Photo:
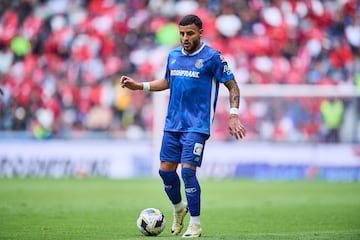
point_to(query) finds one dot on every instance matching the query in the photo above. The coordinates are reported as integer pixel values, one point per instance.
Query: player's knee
(187, 174)
(168, 166)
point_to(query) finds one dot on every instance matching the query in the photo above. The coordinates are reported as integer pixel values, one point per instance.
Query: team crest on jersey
(199, 63)
(173, 61)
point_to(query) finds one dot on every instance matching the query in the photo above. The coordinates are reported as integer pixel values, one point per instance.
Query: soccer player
(193, 74)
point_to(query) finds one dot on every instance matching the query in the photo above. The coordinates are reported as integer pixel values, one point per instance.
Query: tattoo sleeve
(234, 93)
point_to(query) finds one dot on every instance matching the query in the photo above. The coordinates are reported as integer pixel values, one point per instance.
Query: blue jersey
(194, 85)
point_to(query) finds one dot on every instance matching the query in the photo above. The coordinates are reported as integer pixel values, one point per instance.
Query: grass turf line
(231, 209)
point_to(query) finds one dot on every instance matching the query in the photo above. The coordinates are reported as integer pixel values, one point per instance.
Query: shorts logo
(198, 148)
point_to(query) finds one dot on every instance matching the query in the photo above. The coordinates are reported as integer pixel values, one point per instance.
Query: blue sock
(171, 182)
(192, 190)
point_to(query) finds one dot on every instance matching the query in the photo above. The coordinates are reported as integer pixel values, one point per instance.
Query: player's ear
(200, 32)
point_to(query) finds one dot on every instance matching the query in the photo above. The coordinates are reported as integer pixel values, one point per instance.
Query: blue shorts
(183, 147)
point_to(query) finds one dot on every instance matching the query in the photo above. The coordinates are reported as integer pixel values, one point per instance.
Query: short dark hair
(191, 19)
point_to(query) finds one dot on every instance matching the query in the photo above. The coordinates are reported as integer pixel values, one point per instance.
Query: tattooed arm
(236, 128)
(234, 93)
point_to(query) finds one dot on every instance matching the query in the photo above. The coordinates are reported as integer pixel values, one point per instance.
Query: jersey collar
(194, 53)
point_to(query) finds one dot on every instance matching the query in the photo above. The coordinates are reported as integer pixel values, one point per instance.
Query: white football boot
(193, 231)
(178, 219)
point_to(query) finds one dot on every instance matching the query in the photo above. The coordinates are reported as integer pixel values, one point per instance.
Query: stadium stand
(61, 59)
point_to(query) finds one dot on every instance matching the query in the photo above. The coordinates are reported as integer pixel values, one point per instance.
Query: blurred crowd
(60, 62)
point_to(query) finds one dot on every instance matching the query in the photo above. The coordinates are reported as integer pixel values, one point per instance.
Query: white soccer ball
(151, 222)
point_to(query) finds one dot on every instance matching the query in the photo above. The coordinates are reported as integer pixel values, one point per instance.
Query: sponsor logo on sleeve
(227, 70)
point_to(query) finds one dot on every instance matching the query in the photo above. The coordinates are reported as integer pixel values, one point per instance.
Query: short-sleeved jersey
(194, 85)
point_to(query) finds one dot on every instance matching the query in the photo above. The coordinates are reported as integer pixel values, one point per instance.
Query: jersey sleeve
(221, 69)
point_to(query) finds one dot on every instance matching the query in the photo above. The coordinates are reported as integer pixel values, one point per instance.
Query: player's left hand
(236, 128)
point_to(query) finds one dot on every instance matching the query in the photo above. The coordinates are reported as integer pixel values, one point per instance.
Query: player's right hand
(128, 82)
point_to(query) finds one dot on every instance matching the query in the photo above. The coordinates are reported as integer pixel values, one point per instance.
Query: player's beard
(191, 47)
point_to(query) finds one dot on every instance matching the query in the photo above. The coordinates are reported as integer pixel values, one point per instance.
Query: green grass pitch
(231, 209)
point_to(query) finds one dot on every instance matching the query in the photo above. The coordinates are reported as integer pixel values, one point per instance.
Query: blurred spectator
(332, 111)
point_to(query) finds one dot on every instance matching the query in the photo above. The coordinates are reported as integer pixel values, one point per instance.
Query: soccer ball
(151, 222)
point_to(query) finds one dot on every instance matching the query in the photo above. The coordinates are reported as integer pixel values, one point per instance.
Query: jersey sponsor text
(185, 73)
